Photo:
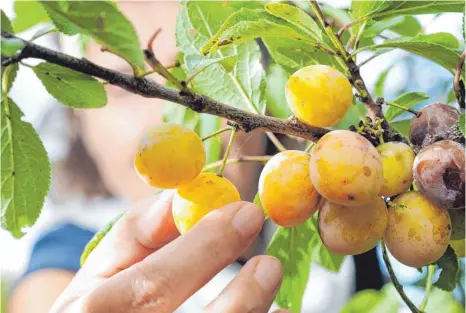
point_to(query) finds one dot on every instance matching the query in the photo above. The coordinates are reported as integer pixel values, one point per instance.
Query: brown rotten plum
(352, 230)
(418, 230)
(436, 122)
(438, 172)
(346, 168)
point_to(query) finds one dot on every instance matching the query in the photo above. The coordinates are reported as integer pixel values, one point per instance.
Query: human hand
(142, 265)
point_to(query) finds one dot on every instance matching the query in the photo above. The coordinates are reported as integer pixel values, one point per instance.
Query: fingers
(164, 280)
(141, 231)
(253, 290)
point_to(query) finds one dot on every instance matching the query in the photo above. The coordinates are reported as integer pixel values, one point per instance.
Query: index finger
(142, 230)
(165, 279)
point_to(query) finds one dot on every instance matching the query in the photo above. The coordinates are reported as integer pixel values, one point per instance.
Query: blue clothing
(59, 248)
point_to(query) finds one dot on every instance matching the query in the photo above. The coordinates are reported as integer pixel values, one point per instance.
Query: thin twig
(395, 281)
(346, 27)
(259, 159)
(158, 67)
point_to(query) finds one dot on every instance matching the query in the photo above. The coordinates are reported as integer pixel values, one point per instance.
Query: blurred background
(93, 178)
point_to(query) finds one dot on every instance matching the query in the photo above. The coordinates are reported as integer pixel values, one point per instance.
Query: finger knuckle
(152, 294)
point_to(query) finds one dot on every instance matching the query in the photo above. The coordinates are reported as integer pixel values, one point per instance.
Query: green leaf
(407, 100)
(102, 21)
(195, 62)
(380, 83)
(410, 26)
(378, 27)
(97, 238)
(373, 301)
(244, 87)
(25, 171)
(443, 302)
(71, 88)
(246, 24)
(424, 7)
(28, 14)
(368, 10)
(439, 47)
(402, 126)
(213, 147)
(293, 54)
(461, 123)
(297, 17)
(376, 9)
(6, 23)
(448, 265)
(296, 247)
(11, 47)
(275, 91)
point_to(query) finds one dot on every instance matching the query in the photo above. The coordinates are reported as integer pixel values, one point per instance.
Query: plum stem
(430, 276)
(221, 130)
(259, 159)
(234, 131)
(308, 148)
(395, 281)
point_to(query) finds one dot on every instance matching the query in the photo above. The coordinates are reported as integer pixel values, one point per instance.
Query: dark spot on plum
(367, 171)
(351, 197)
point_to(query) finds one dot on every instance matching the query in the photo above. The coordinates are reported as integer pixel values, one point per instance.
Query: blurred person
(99, 168)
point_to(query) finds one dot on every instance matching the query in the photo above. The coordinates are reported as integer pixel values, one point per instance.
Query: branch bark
(146, 87)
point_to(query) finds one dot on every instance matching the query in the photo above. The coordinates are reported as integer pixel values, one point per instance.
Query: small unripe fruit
(169, 155)
(435, 123)
(285, 188)
(352, 230)
(397, 162)
(457, 224)
(418, 230)
(319, 95)
(346, 168)
(438, 172)
(192, 201)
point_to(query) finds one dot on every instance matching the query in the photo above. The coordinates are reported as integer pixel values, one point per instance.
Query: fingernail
(268, 274)
(248, 220)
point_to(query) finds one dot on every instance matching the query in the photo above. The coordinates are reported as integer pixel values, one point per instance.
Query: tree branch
(146, 87)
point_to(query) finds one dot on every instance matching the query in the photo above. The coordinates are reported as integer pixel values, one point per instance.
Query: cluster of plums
(344, 177)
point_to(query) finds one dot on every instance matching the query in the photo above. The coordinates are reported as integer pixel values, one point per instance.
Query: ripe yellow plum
(169, 155)
(285, 188)
(346, 168)
(397, 162)
(192, 201)
(418, 230)
(352, 230)
(319, 95)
